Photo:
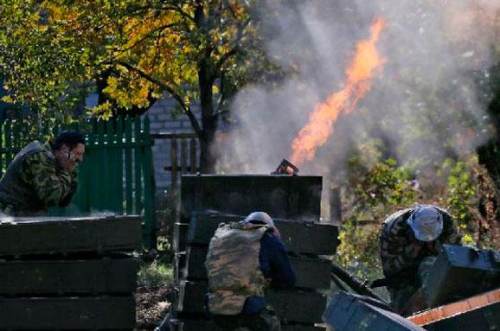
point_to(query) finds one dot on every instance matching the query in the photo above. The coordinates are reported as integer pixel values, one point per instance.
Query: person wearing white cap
(410, 240)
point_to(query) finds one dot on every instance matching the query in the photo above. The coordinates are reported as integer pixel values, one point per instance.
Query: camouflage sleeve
(396, 252)
(450, 232)
(50, 184)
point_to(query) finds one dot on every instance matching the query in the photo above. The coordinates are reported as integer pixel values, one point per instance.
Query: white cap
(259, 217)
(426, 222)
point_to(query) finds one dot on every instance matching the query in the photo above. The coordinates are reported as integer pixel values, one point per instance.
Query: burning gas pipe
(359, 75)
(286, 168)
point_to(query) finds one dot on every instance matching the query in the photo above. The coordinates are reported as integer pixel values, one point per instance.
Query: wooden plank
(299, 237)
(179, 266)
(184, 156)
(310, 272)
(290, 305)
(24, 236)
(128, 166)
(149, 232)
(287, 197)
(173, 159)
(68, 313)
(138, 159)
(45, 277)
(180, 236)
(192, 155)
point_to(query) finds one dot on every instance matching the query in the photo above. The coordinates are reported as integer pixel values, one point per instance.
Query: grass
(155, 274)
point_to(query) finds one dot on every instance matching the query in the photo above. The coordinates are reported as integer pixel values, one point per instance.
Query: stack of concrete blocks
(294, 203)
(68, 274)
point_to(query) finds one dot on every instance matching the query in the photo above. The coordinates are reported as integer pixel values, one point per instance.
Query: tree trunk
(208, 118)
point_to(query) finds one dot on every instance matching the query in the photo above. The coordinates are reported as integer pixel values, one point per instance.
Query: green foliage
(136, 49)
(155, 274)
(461, 197)
(374, 193)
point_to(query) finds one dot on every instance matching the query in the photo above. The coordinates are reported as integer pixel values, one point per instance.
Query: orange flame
(359, 77)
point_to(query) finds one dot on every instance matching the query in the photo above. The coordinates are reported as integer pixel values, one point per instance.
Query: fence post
(192, 152)
(149, 189)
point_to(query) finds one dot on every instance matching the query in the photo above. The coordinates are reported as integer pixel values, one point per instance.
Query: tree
(197, 51)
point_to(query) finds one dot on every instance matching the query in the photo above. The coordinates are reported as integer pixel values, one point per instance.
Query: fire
(359, 74)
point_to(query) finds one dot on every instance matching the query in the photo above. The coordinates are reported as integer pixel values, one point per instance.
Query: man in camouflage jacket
(243, 260)
(41, 176)
(410, 240)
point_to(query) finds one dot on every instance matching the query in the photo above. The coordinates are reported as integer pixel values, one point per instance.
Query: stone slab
(29, 236)
(290, 197)
(44, 277)
(299, 237)
(310, 272)
(291, 305)
(68, 313)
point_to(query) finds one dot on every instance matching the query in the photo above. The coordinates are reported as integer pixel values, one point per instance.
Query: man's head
(426, 223)
(260, 217)
(69, 148)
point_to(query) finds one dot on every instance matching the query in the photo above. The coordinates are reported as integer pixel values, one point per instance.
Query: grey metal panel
(299, 237)
(21, 278)
(347, 312)
(180, 236)
(67, 313)
(290, 197)
(69, 235)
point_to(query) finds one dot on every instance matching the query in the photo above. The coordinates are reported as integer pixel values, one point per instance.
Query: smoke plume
(425, 104)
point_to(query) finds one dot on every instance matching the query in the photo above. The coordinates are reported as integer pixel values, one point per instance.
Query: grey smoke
(424, 72)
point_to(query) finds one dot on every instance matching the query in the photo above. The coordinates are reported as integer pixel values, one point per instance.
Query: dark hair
(68, 138)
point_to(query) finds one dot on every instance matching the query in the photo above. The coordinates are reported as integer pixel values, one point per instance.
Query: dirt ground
(151, 306)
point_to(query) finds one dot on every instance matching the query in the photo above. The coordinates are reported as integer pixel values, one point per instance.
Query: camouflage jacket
(401, 253)
(33, 182)
(233, 267)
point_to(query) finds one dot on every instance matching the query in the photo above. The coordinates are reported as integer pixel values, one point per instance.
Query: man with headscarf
(410, 241)
(243, 259)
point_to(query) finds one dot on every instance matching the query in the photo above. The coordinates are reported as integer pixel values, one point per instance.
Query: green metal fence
(117, 174)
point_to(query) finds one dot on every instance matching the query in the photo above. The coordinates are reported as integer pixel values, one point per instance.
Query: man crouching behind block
(243, 259)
